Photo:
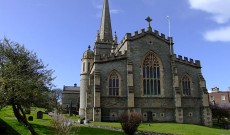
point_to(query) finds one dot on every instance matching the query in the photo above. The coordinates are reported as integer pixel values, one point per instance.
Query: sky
(59, 31)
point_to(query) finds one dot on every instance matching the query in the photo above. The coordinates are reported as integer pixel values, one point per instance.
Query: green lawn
(42, 126)
(173, 128)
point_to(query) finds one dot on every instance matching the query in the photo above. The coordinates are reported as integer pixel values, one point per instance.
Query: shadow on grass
(43, 130)
(9, 129)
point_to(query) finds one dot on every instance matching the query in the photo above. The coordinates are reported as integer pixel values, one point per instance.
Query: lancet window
(113, 84)
(186, 86)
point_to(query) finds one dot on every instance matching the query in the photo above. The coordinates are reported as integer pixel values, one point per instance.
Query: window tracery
(186, 86)
(151, 75)
(113, 84)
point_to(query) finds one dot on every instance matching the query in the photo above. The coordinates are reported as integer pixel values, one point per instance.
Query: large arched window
(186, 86)
(151, 75)
(113, 84)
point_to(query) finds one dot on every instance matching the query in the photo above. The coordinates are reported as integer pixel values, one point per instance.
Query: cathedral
(141, 74)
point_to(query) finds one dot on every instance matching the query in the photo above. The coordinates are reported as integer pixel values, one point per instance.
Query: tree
(130, 122)
(219, 112)
(55, 97)
(24, 79)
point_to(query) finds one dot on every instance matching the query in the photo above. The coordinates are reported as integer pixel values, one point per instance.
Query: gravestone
(30, 118)
(39, 115)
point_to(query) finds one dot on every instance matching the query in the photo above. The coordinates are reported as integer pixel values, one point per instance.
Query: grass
(173, 128)
(43, 126)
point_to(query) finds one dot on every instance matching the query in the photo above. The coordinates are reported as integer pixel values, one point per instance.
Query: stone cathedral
(141, 74)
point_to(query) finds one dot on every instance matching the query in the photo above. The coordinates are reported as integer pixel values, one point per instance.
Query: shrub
(61, 124)
(130, 122)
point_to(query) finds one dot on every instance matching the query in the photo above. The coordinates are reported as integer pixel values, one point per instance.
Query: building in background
(141, 74)
(221, 98)
(71, 99)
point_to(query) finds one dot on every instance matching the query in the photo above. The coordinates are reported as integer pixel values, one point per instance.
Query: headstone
(39, 115)
(30, 118)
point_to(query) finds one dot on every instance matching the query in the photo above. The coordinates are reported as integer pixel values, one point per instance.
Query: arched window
(113, 84)
(186, 86)
(151, 75)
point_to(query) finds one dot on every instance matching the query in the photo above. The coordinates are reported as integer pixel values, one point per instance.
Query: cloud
(98, 4)
(218, 8)
(221, 34)
(115, 11)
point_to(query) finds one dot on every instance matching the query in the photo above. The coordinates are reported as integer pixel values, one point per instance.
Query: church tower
(87, 61)
(104, 40)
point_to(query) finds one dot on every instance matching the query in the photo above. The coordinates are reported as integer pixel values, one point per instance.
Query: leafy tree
(55, 96)
(130, 122)
(220, 112)
(24, 79)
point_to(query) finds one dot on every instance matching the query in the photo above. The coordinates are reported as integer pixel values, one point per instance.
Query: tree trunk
(21, 117)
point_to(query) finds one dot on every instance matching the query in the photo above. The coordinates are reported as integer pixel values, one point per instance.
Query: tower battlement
(143, 32)
(185, 60)
(111, 56)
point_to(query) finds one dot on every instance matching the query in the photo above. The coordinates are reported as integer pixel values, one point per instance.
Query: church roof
(71, 88)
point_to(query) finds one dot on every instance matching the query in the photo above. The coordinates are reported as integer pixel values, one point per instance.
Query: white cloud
(98, 4)
(221, 34)
(115, 11)
(218, 8)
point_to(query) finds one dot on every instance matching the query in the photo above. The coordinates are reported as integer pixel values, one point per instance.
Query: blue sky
(59, 31)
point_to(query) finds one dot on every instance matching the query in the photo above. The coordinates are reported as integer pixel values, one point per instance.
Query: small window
(222, 97)
(190, 114)
(186, 86)
(211, 98)
(88, 66)
(162, 115)
(154, 114)
(83, 66)
(113, 84)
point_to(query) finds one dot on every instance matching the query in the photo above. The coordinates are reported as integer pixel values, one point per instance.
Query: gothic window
(113, 84)
(151, 75)
(186, 85)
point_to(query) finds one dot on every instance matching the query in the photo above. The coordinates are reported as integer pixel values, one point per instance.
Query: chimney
(75, 85)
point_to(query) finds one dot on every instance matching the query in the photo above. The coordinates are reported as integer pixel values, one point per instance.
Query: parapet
(143, 32)
(187, 61)
(111, 57)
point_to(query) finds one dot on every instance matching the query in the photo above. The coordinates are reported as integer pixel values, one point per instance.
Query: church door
(149, 116)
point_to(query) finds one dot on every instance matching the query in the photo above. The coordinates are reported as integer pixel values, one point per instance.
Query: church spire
(106, 29)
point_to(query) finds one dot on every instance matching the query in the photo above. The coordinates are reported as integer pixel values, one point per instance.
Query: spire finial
(148, 19)
(89, 47)
(106, 29)
(115, 38)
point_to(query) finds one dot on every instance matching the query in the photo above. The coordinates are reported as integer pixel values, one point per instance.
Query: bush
(130, 122)
(61, 124)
